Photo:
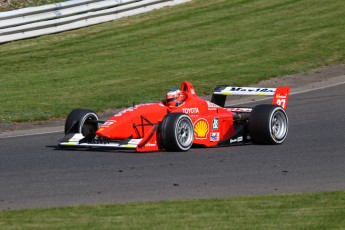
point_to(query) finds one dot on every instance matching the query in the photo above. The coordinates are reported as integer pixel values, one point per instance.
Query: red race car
(182, 120)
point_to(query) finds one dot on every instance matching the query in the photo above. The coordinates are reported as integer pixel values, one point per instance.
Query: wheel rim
(184, 133)
(88, 127)
(278, 125)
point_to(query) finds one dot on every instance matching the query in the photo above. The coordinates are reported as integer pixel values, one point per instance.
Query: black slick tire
(268, 124)
(177, 132)
(82, 121)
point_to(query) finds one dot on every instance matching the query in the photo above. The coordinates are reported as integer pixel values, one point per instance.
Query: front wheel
(268, 124)
(177, 132)
(82, 121)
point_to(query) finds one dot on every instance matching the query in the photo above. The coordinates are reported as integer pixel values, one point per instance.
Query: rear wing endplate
(280, 94)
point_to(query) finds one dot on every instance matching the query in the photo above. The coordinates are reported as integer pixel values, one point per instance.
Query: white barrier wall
(36, 21)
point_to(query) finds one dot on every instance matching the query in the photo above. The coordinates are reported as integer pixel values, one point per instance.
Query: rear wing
(280, 94)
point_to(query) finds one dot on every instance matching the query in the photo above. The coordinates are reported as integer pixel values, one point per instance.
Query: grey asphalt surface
(34, 174)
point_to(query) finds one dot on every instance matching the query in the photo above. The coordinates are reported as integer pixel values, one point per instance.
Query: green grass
(138, 59)
(6, 5)
(302, 211)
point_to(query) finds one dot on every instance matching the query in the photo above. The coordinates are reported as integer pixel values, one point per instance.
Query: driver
(174, 98)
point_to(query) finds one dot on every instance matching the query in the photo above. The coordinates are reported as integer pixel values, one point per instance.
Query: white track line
(319, 88)
(27, 134)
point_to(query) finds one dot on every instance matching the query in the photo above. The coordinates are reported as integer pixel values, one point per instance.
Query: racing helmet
(174, 98)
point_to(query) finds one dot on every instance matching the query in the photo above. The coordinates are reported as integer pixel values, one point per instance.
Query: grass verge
(7, 5)
(138, 59)
(300, 211)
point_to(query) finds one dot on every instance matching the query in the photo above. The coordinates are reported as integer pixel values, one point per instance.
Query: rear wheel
(82, 121)
(268, 124)
(177, 132)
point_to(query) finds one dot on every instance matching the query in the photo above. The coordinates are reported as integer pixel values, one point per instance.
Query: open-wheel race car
(182, 120)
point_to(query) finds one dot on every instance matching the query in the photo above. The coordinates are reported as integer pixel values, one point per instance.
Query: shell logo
(201, 129)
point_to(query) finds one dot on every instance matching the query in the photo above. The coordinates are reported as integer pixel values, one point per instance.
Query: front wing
(75, 140)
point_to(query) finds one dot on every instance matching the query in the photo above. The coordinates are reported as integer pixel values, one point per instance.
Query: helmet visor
(171, 99)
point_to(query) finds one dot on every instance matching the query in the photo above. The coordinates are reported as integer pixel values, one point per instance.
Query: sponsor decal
(215, 136)
(151, 144)
(131, 109)
(251, 90)
(76, 137)
(119, 114)
(215, 123)
(236, 140)
(212, 106)
(244, 110)
(190, 110)
(134, 141)
(108, 123)
(281, 96)
(201, 129)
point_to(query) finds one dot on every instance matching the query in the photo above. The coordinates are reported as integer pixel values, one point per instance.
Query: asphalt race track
(34, 174)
